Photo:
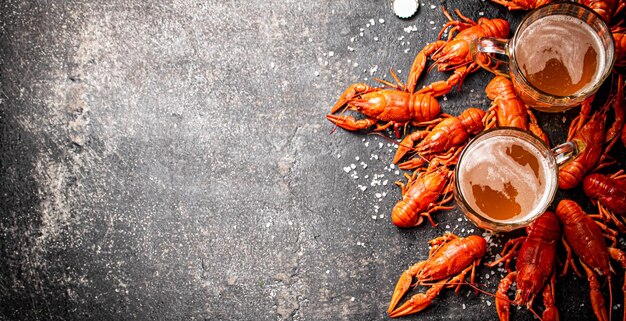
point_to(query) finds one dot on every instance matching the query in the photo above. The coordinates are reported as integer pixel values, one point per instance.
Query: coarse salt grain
(410, 29)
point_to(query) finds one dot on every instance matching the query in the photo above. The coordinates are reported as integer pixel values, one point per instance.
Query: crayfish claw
(350, 93)
(403, 285)
(419, 301)
(349, 123)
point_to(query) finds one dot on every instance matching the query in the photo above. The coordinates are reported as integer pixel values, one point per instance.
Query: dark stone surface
(171, 161)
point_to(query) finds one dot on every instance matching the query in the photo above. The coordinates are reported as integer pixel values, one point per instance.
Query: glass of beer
(559, 55)
(507, 177)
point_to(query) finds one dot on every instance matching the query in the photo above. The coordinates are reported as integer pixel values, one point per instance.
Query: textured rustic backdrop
(172, 161)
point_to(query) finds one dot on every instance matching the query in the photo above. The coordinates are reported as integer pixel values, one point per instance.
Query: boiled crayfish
(585, 237)
(589, 138)
(508, 110)
(393, 106)
(534, 266)
(609, 194)
(443, 141)
(424, 193)
(450, 259)
(454, 54)
(607, 9)
(522, 4)
(594, 142)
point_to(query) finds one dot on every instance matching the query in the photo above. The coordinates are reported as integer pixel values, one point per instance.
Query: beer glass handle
(485, 52)
(564, 153)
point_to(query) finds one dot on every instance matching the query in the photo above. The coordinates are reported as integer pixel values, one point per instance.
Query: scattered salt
(410, 29)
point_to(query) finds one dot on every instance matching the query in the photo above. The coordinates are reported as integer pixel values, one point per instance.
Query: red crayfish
(534, 266)
(606, 9)
(507, 109)
(454, 54)
(522, 4)
(450, 259)
(445, 140)
(420, 195)
(609, 193)
(393, 106)
(593, 141)
(585, 237)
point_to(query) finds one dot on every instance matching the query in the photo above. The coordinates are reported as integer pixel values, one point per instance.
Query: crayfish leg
(620, 256)
(551, 313)
(509, 249)
(569, 260)
(597, 301)
(503, 304)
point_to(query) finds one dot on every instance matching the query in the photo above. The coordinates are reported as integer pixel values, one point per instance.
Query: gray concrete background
(171, 161)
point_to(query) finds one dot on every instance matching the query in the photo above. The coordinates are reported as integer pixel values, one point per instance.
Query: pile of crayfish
(430, 141)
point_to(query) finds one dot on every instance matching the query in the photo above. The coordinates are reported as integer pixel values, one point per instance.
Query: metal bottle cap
(405, 8)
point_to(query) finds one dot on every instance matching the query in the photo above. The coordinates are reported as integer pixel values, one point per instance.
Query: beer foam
(559, 37)
(488, 164)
